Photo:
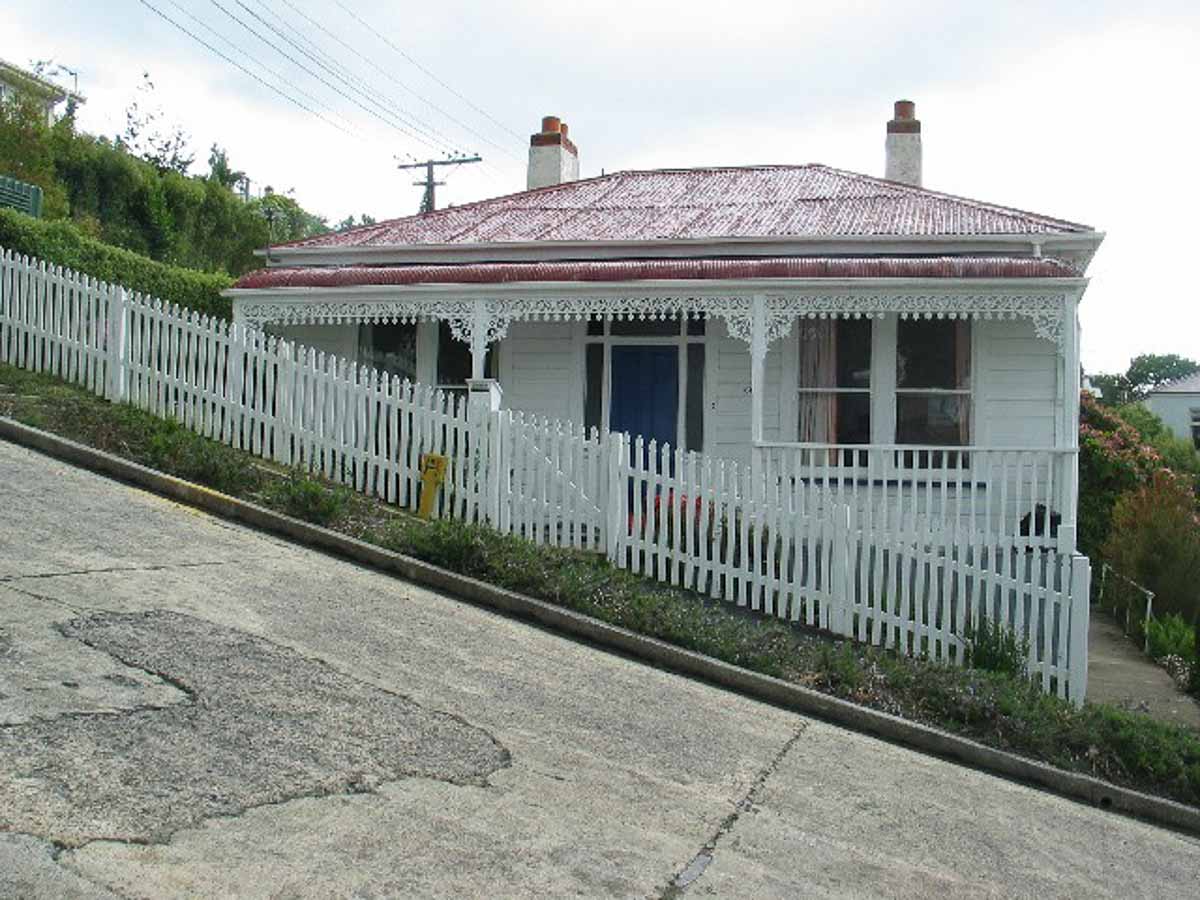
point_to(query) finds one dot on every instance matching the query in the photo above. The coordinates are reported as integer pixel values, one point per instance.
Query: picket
(904, 547)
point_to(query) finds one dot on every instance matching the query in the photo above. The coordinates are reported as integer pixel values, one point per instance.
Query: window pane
(693, 418)
(940, 419)
(933, 354)
(835, 353)
(835, 418)
(645, 327)
(593, 389)
(390, 348)
(454, 359)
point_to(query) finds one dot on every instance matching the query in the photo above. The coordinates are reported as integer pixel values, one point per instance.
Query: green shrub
(995, 648)
(1155, 541)
(304, 497)
(1178, 455)
(62, 244)
(1170, 636)
(1113, 460)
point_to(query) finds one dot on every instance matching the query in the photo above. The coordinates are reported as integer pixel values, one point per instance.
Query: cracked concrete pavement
(621, 780)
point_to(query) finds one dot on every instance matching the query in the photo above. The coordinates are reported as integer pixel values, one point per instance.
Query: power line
(336, 73)
(233, 62)
(358, 53)
(398, 127)
(283, 78)
(387, 41)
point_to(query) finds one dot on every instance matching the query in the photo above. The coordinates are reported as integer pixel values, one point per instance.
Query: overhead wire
(339, 71)
(158, 12)
(282, 78)
(428, 73)
(390, 76)
(391, 124)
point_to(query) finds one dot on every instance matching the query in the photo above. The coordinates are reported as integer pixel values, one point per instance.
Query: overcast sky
(1081, 110)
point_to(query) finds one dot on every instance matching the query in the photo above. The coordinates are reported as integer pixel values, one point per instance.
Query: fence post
(1077, 660)
(841, 582)
(617, 451)
(483, 413)
(116, 337)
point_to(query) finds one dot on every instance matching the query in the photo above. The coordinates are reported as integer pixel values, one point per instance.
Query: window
(390, 348)
(686, 335)
(933, 389)
(1196, 428)
(454, 361)
(835, 381)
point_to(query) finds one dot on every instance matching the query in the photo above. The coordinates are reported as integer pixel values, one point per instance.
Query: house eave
(1036, 244)
(673, 287)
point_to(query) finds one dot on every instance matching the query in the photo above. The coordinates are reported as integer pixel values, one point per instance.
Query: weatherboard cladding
(699, 204)
(653, 269)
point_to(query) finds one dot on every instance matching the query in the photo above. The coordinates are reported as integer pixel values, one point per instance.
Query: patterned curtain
(818, 369)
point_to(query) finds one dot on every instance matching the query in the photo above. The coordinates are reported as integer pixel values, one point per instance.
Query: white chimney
(904, 145)
(553, 159)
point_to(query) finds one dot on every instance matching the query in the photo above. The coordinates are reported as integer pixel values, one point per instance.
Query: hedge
(62, 244)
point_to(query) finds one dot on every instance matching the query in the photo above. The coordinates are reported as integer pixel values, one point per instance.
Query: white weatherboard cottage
(849, 330)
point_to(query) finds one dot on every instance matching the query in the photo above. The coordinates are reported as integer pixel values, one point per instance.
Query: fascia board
(535, 251)
(695, 287)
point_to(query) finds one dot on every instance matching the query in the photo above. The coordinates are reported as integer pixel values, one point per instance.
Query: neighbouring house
(15, 81)
(1178, 405)
(788, 316)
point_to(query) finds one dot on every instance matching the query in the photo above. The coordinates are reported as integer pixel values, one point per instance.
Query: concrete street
(192, 709)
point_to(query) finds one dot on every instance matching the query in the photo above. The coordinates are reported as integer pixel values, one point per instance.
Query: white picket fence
(831, 549)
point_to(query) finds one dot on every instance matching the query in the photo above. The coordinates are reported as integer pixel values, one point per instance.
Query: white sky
(1083, 110)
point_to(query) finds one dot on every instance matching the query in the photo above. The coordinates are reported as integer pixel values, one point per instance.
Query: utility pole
(428, 204)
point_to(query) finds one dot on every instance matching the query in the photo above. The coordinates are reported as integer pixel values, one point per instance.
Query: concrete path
(1121, 674)
(192, 709)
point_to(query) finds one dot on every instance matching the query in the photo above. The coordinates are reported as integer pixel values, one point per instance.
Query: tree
(289, 221)
(27, 151)
(219, 169)
(1145, 373)
(347, 223)
(144, 137)
(1151, 370)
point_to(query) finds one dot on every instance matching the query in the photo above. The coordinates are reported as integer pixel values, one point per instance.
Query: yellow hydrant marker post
(433, 473)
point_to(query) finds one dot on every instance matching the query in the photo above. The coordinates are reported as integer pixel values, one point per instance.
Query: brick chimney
(904, 145)
(553, 159)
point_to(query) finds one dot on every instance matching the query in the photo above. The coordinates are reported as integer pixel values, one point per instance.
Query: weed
(994, 648)
(1170, 636)
(303, 497)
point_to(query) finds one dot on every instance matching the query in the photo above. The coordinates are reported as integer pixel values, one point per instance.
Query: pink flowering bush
(1113, 460)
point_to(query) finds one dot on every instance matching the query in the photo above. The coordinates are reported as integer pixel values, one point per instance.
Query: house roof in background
(1189, 384)
(708, 203)
(654, 269)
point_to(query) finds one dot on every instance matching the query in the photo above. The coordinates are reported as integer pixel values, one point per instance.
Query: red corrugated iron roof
(714, 203)
(654, 269)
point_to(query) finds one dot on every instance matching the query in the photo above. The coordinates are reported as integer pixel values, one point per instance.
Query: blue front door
(645, 392)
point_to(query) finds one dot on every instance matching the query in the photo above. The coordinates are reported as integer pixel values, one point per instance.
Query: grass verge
(1001, 709)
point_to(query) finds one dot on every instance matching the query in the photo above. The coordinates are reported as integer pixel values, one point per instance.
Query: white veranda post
(758, 365)
(480, 322)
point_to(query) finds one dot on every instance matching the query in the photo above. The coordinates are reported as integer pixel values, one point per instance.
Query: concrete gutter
(1082, 788)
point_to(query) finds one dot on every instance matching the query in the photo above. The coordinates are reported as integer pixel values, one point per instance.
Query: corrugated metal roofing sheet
(765, 201)
(652, 269)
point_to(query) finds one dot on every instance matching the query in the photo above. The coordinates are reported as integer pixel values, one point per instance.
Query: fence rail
(911, 548)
